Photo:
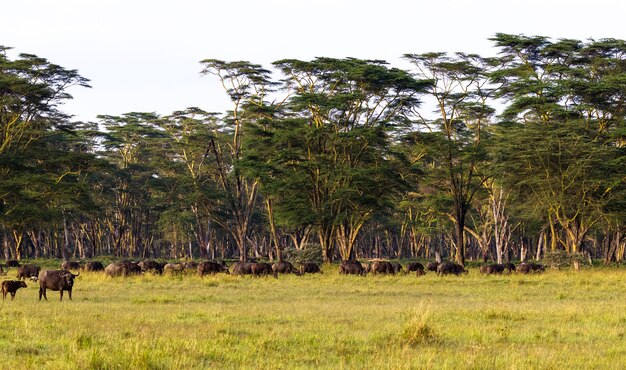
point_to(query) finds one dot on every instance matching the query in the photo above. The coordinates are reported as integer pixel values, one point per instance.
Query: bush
(310, 252)
(561, 258)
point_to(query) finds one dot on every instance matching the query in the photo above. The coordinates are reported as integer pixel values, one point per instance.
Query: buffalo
(151, 266)
(174, 267)
(11, 286)
(242, 268)
(28, 272)
(310, 268)
(509, 267)
(190, 265)
(2, 271)
(116, 269)
(284, 267)
(132, 268)
(382, 267)
(93, 266)
(56, 280)
(414, 266)
(397, 267)
(262, 268)
(70, 265)
(13, 263)
(525, 268)
(351, 268)
(496, 268)
(449, 267)
(432, 266)
(212, 267)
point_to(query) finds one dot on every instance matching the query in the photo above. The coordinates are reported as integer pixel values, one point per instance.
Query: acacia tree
(565, 100)
(132, 143)
(247, 85)
(188, 133)
(333, 166)
(454, 140)
(31, 90)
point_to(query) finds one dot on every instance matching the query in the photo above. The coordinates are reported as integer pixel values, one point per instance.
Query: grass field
(561, 319)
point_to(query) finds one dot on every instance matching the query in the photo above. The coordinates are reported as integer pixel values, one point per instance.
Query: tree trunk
(327, 242)
(459, 234)
(273, 234)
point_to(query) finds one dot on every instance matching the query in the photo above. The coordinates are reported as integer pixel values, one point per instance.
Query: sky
(144, 56)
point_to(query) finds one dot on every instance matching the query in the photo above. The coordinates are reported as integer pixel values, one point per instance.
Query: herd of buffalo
(63, 279)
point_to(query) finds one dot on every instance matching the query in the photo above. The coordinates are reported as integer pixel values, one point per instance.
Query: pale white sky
(143, 55)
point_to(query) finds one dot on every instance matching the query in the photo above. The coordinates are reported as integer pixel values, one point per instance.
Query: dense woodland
(462, 156)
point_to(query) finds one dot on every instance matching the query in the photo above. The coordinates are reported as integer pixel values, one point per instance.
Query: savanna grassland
(560, 319)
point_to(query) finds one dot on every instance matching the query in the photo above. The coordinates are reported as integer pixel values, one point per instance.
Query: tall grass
(561, 319)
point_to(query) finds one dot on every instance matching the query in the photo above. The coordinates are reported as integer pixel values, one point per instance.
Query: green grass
(561, 319)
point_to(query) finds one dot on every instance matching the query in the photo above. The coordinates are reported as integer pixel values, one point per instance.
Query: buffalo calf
(11, 286)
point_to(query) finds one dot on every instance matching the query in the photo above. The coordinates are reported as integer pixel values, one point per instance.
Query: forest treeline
(463, 156)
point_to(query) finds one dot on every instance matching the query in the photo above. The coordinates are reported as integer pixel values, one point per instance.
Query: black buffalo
(432, 266)
(382, 267)
(151, 266)
(211, 267)
(11, 286)
(56, 280)
(352, 268)
(509, 267)
(132, 268)
(284, 267)
(28, 272)
(13, 263)
(70, 265)
(242, 268)
(449, 267)
(310, 268)
(93, 266)
(414, 266)
(262, 268)
(487, 269)
(525, 268)
(397, 267)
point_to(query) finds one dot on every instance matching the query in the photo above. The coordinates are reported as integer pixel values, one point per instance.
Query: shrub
(310, 252)
(562, 258)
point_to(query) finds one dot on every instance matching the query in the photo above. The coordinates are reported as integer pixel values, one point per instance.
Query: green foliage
(561, 258)
(309, 253)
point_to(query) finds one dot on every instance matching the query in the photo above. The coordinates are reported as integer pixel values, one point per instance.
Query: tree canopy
(463, 156)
